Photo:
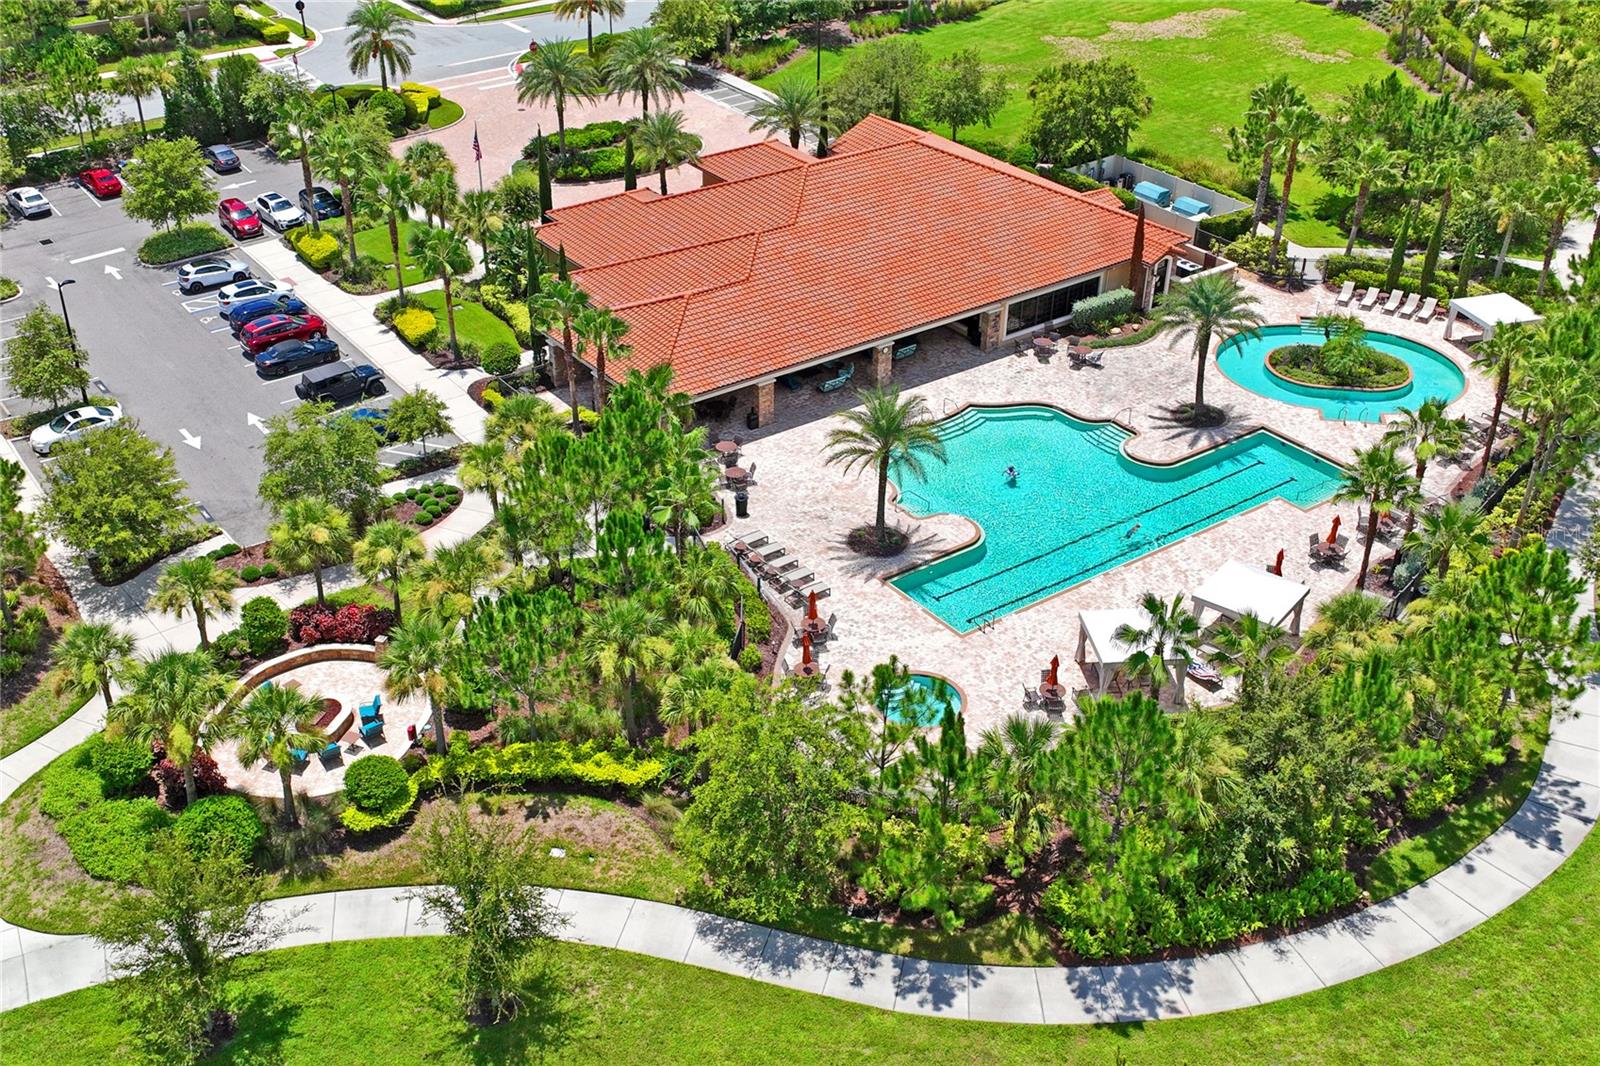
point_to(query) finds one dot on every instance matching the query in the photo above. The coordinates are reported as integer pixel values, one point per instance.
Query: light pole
(61, 290)
(300, 9)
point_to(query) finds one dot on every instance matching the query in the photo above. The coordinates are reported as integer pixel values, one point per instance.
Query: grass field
(1199, 60)
(375, 242)
(35, 715)
(1522, 988)
(474, 322)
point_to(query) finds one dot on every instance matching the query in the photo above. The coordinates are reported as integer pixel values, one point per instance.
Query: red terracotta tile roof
(753, 160)
(743, 279)
(1105, 196)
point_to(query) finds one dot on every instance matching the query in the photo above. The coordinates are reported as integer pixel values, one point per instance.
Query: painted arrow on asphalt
(190, 439)
(113, 271)
(239, 184)
(253, 419)
(51, 282)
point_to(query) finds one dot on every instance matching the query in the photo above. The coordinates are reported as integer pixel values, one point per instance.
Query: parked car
(208, 271)
(221, 158)
(237, 218)
(321, 203)
(268, 330)
(245, 312)
(339, 383)
(251, 289)
(70, 425)
(377, 418)
(28, 202)
(101, 182)
(276, 211)
(288, 356)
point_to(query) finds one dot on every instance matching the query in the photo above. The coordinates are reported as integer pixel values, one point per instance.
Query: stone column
(883, 363)
(764, 401)
(991, 327)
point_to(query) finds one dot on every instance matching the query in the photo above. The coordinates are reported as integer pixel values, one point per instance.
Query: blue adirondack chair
(371, 727)
(300, 756)
(330, 751)
(371, 710)
(905, 351)
(839, 381)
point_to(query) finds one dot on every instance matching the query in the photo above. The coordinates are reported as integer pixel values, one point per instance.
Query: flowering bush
(354, 623)
(208, 780)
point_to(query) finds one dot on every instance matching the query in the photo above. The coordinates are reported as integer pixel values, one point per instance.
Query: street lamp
(61, 290)
(300, 9)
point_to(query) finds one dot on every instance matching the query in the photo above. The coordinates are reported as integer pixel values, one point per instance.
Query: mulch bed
(863, 540)
(256, 555)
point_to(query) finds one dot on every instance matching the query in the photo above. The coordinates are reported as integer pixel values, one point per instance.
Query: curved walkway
(1559, 812)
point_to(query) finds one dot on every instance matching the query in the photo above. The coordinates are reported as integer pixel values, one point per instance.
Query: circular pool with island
(1243, 359)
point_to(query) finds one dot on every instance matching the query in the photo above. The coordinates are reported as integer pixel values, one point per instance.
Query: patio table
(815, 626)
(1053, 692)
(735, 473)
(811, 669)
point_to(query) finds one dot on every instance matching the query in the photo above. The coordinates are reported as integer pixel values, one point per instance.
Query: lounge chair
(1084, 357)
(839, 380)
(330, 752)
(1425, 312)
(752, 541)
(1204, 673)
(795, 582)
(371, 727)
(905, 351)
(1370, 299)
(1346, 294)
(777, 570)
(373, 709)
(792, 382)
(796, 597)
(1409, 308)
(1394, 301)
(299, 756)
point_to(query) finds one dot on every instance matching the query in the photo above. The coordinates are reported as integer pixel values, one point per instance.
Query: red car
(102, 182)
(237, 218)
(263, 333)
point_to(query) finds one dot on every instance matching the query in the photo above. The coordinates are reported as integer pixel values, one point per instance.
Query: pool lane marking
(1096, 532)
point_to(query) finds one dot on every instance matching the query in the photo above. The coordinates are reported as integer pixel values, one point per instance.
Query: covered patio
(1097, 633)
(1488, 312)
(1238, 589)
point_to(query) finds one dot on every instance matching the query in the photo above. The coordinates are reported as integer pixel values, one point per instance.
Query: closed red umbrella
(1333, 534)
(805, 649)
(811, 606)
(1055, 669)
(1277, 567)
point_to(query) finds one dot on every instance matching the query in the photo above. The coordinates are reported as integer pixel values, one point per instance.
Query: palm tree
(311, 534)
(1347, 623)
(387, 551)
(91, 655)
(603, 329)
(1209, 305)
(1203, 765)
(140, 76)
(885, 431)
(1556, 395)
(1247, 647)
(486, 465)
(439, 194)
(1561, 195)
(298, 119)
(560, 302)
(1511, 200)
(416, 660)
(393, 188)
(791, 110)
(685, 489)
(1372, 165)
(624, 644)
(703, 587)
(1295, 124)
(665, 143)
(1501, 355)
(1266, 101)
(1426, 432)
(587, 10)
(478, 217)
(641, 64)
(1173, 633)
(346, 157)
(1018, 772)
(441, 253)
(515, 423)
(1380, 480)
(426, 158)
(448, 582)
(1457, 526)
(556, 73)
(195, 586)
(379, 33)
(273, 724)
(173, 699)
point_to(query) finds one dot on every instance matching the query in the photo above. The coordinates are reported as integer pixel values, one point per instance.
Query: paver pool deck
(808, 507)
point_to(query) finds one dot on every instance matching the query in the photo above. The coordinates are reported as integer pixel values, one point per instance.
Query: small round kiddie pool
(1244, 360)
(922, 699)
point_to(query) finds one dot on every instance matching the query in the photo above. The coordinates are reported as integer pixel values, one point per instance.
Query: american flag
(477, 151)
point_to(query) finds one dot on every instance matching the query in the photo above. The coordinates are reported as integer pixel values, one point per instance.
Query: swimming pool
(922, 700)
(1078, 507)
(1244, 361)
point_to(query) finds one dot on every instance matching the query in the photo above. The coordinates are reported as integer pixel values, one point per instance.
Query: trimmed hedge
(511, 311)
(1230, 227)
(1091, 313)
(374, 782)
(227, 823)
(262, 623)
(579, 139)
(185, 242)
(317, 250)
(120, 764)
(110, 840)
(417, 326)
(362, 821)
(430, 91)
(539, 763)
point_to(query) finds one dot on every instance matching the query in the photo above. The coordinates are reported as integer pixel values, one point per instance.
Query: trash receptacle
(741, 504)
(751, 419)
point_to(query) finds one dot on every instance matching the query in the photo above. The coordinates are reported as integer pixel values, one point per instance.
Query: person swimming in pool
(1011, 473)
(1129, 534)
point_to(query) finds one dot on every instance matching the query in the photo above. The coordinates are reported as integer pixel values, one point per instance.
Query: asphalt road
(168, 358)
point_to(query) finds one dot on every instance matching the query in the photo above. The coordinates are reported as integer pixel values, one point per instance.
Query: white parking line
(484, 59)
(220, 329)
(495, 85)
(97, 255)
(93, 199)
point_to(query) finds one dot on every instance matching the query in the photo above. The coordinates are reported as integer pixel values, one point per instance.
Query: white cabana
(1488, 311)
(1238, 589)
(1097, 632)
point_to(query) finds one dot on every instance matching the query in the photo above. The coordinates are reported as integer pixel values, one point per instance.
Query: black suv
(339, 382)
(321, 203)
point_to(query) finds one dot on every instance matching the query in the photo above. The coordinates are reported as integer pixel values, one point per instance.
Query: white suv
(253, 289)
(278, 212)
(204, 273)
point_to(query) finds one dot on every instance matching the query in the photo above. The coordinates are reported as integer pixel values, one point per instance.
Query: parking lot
(170, 359)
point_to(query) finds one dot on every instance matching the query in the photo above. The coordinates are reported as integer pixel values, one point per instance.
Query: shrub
(110, 840)
(263, 624)
(876, 25)
(353, 95)
(760, 58)
(69, 789)
(501, 358)
(1250, 252)
(511, 311)
(542, 762)
(418, 327)
(269, 570)
(224, 552)
(422, 518)
(358, 820)
(396, 114)
(429, 91)
(10, 664)
(208, 780)
(1090, 313)
(25, 631)
(1024, 155)
(316, 250)
(417, 105)
(1232, 226)
(579, 139)
(184, 242)
(120, 764)
(750, 658)
(353, 623)
(273, 33)
(374, 782)
(250, 573)
(228, 823)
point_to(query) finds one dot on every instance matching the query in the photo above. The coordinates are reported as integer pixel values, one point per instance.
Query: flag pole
(477, 152)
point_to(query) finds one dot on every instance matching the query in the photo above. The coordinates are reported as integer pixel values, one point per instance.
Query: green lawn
(444, 113)
(1522, 988)
(1199, 72)
(374, 242)
(35, 715)
(474, 322)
